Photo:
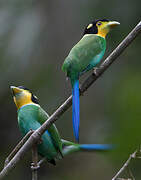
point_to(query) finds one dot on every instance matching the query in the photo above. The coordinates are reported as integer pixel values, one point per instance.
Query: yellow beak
(112, 24)
(15, 90)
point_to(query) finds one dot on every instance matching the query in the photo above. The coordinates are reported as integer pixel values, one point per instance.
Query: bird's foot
(67, 78)
(31, 130)
(40, 141)
(34, 166)
(95, 71)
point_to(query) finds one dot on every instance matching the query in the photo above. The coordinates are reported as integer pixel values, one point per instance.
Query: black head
(92, 28)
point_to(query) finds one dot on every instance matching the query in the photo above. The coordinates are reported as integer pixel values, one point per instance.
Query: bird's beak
(112, 24)
(15, 90)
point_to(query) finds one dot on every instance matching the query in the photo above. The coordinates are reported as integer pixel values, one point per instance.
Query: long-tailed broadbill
(84, 56)
(31, 116)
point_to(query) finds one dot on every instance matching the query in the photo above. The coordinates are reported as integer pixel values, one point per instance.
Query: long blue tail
(70, 147)
(75, 109)
(96, 147)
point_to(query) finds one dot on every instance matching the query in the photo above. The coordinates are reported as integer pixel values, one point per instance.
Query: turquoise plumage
(32, 116)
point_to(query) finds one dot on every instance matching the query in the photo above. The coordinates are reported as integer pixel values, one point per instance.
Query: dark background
(35, 38)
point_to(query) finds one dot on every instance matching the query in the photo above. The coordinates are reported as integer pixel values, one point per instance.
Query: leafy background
(35, 38)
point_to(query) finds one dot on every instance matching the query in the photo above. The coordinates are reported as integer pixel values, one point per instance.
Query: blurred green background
(35, 38)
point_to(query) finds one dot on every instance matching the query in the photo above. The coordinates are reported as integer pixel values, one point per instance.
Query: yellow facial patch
(103, 28)
(23, 98)
(89, 26)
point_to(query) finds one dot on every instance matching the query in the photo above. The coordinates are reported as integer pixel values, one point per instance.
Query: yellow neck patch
(102, 33)
(22, 99)
(103, 29)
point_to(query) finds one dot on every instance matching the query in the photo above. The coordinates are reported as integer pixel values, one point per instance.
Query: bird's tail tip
(97, 147)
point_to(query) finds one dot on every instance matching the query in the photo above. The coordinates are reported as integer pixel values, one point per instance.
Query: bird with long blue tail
(84, 56)
(31, 116)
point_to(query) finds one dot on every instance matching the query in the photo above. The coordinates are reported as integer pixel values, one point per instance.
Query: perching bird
(84, 56)
(31, 116)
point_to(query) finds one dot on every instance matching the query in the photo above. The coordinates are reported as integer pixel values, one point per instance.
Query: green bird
(32, 116)
(84, 56)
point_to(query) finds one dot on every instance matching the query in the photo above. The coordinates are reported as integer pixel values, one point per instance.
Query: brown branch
(34, 166)
(87, 83)
(18, 146)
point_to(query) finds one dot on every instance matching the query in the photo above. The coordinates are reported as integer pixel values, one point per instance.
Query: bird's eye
(99, 23)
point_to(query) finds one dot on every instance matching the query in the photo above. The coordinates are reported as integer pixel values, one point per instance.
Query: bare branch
(42, 161)
(87, 83)
(34, 166)
(126, 164)
(130, 174)
(16, 149)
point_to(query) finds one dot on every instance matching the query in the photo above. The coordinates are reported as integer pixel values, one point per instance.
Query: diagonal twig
(42, 161)
(126, 164)
(87, 83)
(18, 146)
(130, 173)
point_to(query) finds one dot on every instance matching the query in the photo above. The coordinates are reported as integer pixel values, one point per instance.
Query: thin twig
(34, 166)
(42, 161)
(18, 146)
(126, 164)
(130, 173)
(87, 83)
(123, 179)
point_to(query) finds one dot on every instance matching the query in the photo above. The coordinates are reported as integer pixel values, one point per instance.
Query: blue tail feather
(96, 147)
(75, 109)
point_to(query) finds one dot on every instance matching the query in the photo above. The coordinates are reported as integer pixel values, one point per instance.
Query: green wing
(43, 116)
(27, 120)
(83, 54)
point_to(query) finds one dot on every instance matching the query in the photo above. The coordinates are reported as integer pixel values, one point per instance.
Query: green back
(29, 117)
(43, 116)
(89, 50)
